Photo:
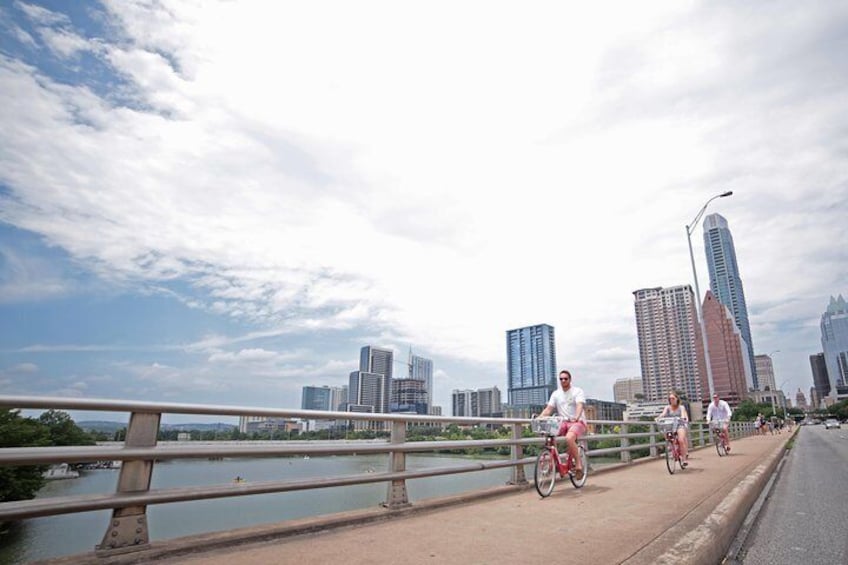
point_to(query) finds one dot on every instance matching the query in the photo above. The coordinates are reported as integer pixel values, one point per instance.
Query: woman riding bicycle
(675, 409)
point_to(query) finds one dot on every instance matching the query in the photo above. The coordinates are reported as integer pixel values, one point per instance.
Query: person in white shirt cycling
(568, 401)
(720, 410)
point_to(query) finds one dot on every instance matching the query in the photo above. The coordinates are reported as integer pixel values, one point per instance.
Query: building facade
(801, 400)
(834, 339)
(421, 369)
(626, 389)
(765, 372)
(669, 342)
(727, 352)
(375, 361)
(821, 382)
(325, 398)
(473, 403)
(726, 282)
(409, 395)
(531, 365)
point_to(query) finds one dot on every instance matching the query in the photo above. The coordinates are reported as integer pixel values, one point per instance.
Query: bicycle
(549, 463)
(673, 454)
(722, 444)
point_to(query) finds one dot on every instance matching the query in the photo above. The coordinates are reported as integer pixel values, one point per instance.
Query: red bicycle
(673, 454)
(549, 463)
(722, 443)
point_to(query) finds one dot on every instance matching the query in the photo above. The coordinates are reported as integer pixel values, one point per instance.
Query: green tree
(63, 430)
(21, 483)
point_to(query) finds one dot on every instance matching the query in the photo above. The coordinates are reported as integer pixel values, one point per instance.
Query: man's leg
(571, 443)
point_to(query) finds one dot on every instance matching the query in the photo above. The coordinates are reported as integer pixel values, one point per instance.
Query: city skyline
(219, 204)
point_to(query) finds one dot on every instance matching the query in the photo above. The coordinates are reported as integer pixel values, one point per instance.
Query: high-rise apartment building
(728, 354)
(726, 282)
(815, 400)
(625, 390)
(821, 382)
(531, 365)
(669, 342)
(834, 339)
(481, 402)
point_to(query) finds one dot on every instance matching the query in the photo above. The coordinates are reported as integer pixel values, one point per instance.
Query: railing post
(127, 530)
(625, 443)
(517, 452)
(654, 452)
(701, 440)
(396, 497)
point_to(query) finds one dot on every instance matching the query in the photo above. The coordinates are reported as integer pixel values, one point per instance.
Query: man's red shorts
(578, 428)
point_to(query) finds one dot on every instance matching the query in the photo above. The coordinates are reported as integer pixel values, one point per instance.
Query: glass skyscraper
(834, 339)
(531, 365)
(725, 281)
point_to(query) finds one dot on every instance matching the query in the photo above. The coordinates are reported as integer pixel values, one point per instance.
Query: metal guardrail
(128, 530)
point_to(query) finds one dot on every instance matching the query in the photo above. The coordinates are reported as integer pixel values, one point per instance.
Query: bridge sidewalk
(636, 514)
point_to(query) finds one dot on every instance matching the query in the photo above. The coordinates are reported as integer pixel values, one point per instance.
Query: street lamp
(689, 229)
(773, 392)
(780, 388)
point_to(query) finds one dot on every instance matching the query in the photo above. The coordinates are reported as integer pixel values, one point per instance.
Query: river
(55, 536)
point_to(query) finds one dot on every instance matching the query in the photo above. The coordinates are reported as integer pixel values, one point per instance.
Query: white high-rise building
(421, 369)
(765, 372)
(669, 342)
(625, 390)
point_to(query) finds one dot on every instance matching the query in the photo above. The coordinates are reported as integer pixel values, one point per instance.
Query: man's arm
(547, 411)
(579, 412)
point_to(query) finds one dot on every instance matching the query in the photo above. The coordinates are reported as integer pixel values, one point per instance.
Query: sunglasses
(565, 379)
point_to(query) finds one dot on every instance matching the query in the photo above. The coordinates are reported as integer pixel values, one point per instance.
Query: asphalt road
(805, 518)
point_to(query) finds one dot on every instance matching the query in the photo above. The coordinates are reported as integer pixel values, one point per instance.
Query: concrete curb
(708, 542)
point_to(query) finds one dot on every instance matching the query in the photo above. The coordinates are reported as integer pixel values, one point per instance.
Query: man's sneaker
(579, 474)
(684, 464)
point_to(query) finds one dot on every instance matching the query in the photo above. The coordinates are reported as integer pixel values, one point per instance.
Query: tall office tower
(316, 398)
(625, 390)
(834, 339)
(669, 342)
(765, 372)
(815, 400)
(367, 392)
(530, 365)
(725, 281)
(421, 369)
(821, 382)
(376, 360)
(800, 400)
(731, 370)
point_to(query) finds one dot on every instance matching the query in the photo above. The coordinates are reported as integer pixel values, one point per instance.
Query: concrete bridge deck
(636, 514)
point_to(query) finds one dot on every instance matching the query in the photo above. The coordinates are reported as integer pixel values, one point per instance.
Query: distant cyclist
(675, 409)
(568, 401)
(720, 410)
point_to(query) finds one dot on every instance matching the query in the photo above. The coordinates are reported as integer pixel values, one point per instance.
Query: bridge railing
(127, 530)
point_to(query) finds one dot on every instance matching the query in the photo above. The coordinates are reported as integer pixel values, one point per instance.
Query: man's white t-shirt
(565, 402)
(720, 412)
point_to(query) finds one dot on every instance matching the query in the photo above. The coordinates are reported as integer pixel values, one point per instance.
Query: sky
(222, 202)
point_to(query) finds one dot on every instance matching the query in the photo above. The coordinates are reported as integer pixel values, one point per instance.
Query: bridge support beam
(654, 450)
(517, 452)
(625, 442)
(127, 530)
(397, 497)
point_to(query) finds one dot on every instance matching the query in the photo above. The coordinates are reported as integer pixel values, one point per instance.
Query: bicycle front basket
(546, 426)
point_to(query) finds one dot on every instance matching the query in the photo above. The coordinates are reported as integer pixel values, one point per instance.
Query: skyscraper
(531, 365)
(765, 372)
(725, 281)
(625, 390)
(669, 342)
(377, 361)
(821, 383)
(728, 354)
(834, 338)
(421, 369)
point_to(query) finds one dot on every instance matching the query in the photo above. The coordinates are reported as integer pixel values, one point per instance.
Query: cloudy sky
(221, 202)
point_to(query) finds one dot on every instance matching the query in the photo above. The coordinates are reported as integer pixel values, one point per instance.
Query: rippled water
(54, 536)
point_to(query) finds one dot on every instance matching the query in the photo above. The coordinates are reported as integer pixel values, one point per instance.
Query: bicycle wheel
(544, 475)
(581, 453)
(720, 446)
(669, 457)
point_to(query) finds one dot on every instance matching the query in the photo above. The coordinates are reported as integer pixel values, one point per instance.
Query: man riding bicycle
(569, 401)
(720, 410)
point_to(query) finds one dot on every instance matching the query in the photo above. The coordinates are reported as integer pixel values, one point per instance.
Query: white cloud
(41, 15)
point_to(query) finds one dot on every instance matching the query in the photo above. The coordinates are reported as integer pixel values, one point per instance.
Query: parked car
(832, 423)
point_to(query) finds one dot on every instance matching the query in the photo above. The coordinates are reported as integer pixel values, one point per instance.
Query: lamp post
(780, 388)
(689, 229)
(773, 392)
